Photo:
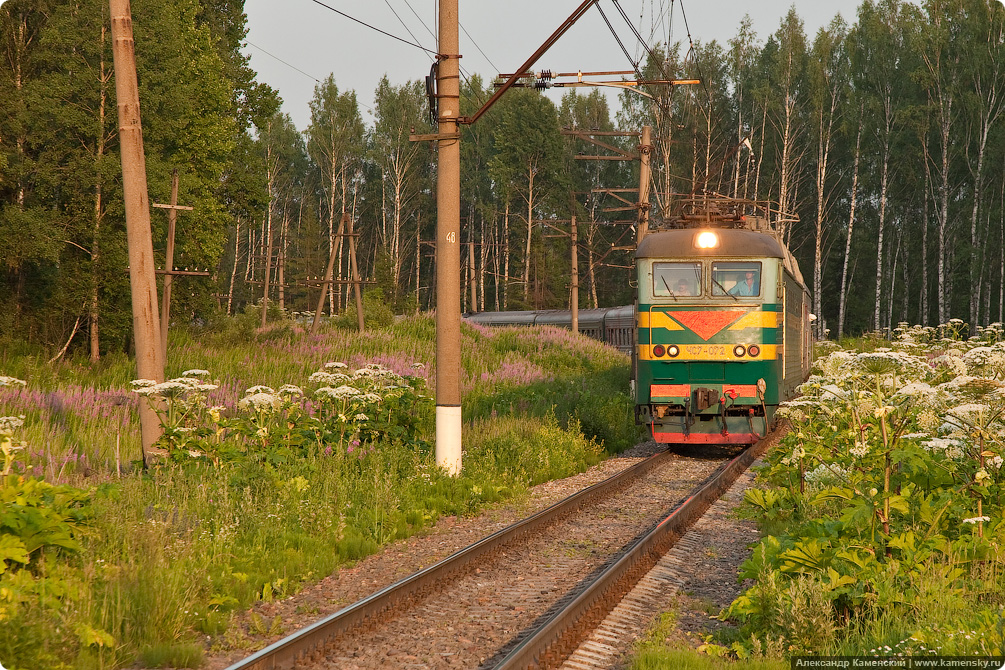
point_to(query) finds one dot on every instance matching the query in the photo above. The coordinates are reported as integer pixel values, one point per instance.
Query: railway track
(525, 596)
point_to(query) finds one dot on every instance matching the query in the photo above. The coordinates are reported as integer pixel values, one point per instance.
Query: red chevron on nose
(705, 324)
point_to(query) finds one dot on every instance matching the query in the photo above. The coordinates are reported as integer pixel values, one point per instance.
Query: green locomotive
(723, 330)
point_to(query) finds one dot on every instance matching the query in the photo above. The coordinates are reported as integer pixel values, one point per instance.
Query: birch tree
(402, 164)
(335, 145)
(528, 157)
(829, 79)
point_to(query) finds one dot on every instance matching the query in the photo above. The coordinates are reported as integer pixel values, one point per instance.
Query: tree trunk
(530, 229)
(843, 298)
(93, 313)
(925, 309)
(249, 268)
(267, 235)
(483, 257)
(760, 150)
(281, 274)
(233, 272)
(506, 258)
(884, 184)
(944, 127)
(418, 259)
(893, 283)
(823, 154)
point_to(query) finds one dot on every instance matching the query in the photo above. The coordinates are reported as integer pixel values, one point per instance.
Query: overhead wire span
(404, 25)
(638, 36)
(617, 38)
(271, 55)
(464, 73)
(662, 104)
(375, 28)
(290, 65)
(416, 14)
(478, 47)
(697, 64)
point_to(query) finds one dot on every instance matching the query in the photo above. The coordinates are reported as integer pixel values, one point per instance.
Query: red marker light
(659, 350)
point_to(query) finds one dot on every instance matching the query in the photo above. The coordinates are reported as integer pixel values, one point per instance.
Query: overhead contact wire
(617, 38)
(635, 65)
(405, 26)
(375, 28)
(252, 44)
(697, 64)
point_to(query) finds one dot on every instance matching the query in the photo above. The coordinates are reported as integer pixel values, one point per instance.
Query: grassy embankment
(262, 492)
(882, 510)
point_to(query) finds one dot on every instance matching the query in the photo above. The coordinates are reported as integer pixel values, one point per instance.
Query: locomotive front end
(711, 334)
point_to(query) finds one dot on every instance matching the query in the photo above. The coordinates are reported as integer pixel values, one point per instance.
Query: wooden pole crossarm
(602, 133)
(432, 137)
(605, 145)
(627, 157)
(624, 200)
(184, 273)
(259, 282)
(318, 282)
(184, 207)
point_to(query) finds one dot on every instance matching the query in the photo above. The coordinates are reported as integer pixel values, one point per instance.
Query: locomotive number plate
(707, 352)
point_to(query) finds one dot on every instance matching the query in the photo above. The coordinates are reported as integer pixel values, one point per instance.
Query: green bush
(377, 313)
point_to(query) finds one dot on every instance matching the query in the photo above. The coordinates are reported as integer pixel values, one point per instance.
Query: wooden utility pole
(574, 278)
(448, 253)
(645, 150)
(354, 268)
(142, 281)
(471, 277)
(345, 229)
(169, 261)
(268, 267)
(448, 222)
(329, 275)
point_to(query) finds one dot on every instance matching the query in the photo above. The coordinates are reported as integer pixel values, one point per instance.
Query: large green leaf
(11, 549)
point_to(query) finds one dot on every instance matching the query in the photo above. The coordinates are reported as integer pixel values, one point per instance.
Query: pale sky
(318, 41)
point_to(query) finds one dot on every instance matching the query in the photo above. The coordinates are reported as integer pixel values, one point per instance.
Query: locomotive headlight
(659, 350)
(706, 240)
(739, 350)
(672, 350)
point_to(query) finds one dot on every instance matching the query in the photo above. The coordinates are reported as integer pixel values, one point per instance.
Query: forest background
(885, 136)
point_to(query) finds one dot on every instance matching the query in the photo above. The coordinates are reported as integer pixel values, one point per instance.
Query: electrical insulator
(545, 75)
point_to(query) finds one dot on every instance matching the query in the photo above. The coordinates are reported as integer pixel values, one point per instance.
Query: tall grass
(168, 554)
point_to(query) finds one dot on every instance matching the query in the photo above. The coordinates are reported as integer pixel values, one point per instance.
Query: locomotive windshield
(676, 280)
(738, 279)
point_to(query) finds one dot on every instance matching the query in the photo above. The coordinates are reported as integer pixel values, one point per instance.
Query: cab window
(738, 279)
(676, 279)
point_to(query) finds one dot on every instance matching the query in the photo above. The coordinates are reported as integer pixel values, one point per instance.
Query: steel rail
(557, 637)
(311, 641)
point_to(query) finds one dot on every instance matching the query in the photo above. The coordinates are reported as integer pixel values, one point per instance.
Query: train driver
(748, 286)
(683, 288)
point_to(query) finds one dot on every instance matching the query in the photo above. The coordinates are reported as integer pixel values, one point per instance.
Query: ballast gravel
(713, 580)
